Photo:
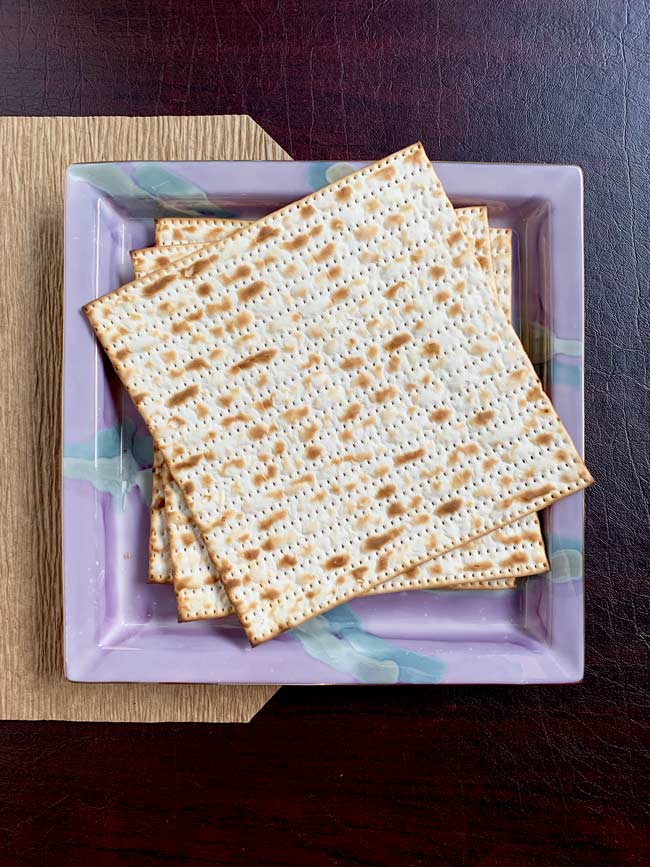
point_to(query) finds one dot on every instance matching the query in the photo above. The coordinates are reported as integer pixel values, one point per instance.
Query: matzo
(199, 591)
(196, 578)
(501, 246)
(180, 230)
(160, 565)
(519, 554)
(367, 363)
(476, 228)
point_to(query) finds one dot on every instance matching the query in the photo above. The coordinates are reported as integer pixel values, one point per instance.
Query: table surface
(376, 776)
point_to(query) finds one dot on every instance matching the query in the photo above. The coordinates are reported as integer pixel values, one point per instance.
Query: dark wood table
(379, 776)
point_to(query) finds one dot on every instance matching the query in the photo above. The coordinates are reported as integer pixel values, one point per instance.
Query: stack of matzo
(339, 403)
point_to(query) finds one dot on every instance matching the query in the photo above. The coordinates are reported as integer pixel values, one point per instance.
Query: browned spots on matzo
(188, 463)
(431, 349)
(456, 309)
(183, 396)
(437, 271)
(392, 291)
(258, 432)
(180, 327)
(338, 561)
(518, 375)
(517, 558)
(352, 362)
(265, 233)
(393, 221)
(386, 174)
(251, 291)
(121, 354)
(478, 566)
(326, 253)
(385, 491)
(189, 488)
(279, 448)
(264, 356)
(306, 479)
(462, 477)
(222, 306)
(264, 404)
(343, 194)
(544, 439)
(201, 267)
(158, 285)
(287, 561)
(355, 457)
(197, 364)
(313, 452)
(309, 432)
(242, 319)
(530, 494)
(351, 412)
(455, 237)
(363, 380)
(442, 296)
(273, 518)
(365, 233)
(441, 414)
(384, 394)
(251, 554)
(482, 418)
(395, 509)
(383, 562)
(296, 243)
(270, 594)
(397, 341)
(339, 295)
(450, 507)
(358, 572)
(337, 224)
(407, 457)
(297, 413)
(418, 157)
(222, 520)
(240, 273)
(334, 272)
(239, 417)
(374, 543)
(204, 289)
(307, 211)
(313, 361)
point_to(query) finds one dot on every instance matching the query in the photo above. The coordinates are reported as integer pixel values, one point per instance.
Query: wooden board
(35, 153)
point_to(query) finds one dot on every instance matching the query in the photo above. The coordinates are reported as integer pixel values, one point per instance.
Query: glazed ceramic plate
(118, 628)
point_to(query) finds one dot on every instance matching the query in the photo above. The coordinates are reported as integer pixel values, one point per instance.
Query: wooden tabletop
(379, 776)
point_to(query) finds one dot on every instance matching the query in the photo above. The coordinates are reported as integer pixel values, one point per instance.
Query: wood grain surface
(378, 776)
(35, 153)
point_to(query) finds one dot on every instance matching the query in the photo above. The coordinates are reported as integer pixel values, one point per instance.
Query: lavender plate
(118, 628)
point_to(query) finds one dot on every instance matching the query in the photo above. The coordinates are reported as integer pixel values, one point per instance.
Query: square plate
(118, 628)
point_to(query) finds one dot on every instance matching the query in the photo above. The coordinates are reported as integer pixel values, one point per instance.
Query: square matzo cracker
(493, 561)
(384, 408)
